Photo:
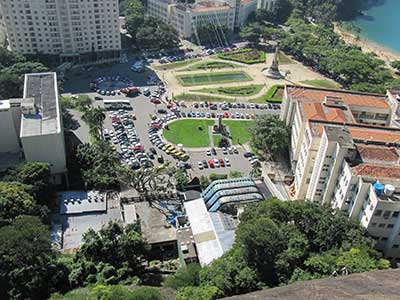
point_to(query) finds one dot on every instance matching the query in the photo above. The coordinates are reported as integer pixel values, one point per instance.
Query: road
(143, 108)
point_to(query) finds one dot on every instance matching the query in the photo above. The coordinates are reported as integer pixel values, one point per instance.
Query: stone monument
(273, 71)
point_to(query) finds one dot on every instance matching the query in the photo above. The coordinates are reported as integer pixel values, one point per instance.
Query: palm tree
(95, 117)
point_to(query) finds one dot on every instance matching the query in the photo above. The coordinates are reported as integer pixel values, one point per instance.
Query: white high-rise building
(345, 154)
(73, 29)
(266, 4)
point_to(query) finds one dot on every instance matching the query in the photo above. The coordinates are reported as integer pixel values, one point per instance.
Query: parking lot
(139, 139)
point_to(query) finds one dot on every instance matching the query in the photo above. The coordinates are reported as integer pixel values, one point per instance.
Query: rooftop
(375, 135)
(204, 6)
(377, 171)
(5, 105)
(78, 202)
(319, 112)
(374, 285)
(154, 224)
(350, 98)
(213, 233)
(371, 153)
(41, 95)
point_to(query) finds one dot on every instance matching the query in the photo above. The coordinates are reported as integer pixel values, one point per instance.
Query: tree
(28, 269)
(204, 181)
(10, 86)
(99, 164)
(211, 34)
(262, 241)
(114, 254)
(94, 117)
(235, 174)
(147, 180)
(396, 64)
(230, 274)
(15, 201)
(270, 134)
(256, 171)
(156, 35)
(35, 174)
(134, 16)
(199, 293)
(180, 179)
(185, 276)
(223, 143)
(21, 68)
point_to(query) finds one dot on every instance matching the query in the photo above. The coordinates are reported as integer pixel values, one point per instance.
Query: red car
(138, 148)
(226, 114)
(170, 105)
(221, 162)
(211, 163)
(115, 120)
(155, 101)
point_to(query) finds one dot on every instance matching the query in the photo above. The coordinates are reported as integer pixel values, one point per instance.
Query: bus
(117, 104)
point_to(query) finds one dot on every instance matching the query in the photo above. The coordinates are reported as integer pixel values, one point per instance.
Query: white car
(208, 152)
(200, 164)
(227, 162)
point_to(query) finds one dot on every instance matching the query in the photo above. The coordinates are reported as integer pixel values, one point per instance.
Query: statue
(273, 71)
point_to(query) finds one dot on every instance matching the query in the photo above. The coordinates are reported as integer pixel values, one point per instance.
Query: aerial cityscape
(199, 149)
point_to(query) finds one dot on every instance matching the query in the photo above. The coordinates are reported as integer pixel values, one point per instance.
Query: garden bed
(274, 95)
(236, 91)
(213, 78)
(247, 56)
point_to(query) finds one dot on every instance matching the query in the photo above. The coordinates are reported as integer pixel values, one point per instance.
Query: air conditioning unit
(28, 106)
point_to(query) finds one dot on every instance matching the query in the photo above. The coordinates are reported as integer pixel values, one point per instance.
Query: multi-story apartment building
(73, 29)
(266, 4)
(186, 18)
(34, 124)
(344, 154)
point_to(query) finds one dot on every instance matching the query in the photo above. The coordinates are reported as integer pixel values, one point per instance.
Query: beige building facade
(345, 154)
(72, 29)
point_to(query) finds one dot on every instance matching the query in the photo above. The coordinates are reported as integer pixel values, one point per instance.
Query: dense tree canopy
(281, 242)
(99, 163)
(12, 68)
(269, 134)
(37, 176)
(28, 269)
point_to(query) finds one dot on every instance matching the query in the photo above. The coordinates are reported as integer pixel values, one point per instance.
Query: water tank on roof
(378, 188)
(389, 190)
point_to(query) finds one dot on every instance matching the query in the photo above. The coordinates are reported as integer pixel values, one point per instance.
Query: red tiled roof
(378, 153)
(319, 112)
(377, 171)
(367, 134)
(350, 98)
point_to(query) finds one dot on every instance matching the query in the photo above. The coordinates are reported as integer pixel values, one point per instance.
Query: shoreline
(387, 55)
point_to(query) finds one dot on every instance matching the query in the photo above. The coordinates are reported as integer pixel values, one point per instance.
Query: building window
(378, 213)
(395, 246)
(373, 224)
(382, 225)
(384, 239)
(395, 214)
(390, 226)
(386, 214)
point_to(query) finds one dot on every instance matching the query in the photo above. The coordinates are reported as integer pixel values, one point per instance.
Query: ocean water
(382, 24)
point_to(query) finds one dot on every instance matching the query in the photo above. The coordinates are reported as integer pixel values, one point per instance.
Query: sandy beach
(368, 46)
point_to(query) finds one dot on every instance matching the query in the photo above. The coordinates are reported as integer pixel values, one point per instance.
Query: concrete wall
(46, 148)
(8, 135)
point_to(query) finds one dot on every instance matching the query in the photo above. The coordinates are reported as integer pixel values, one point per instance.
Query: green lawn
(213, 78)
(247, 56)
(321, 83)
(207, 65)
(190, 133)
(201, 98)
(177, 64)
(236, 91)
(284, 59)
(239, 130)
(273, 95)
(217, 138)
